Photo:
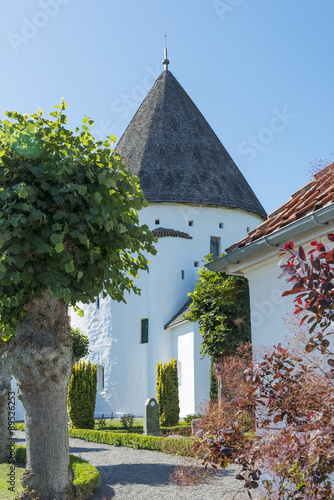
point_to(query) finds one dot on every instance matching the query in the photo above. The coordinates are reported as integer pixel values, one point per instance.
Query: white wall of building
(271, 314)
(114, 328)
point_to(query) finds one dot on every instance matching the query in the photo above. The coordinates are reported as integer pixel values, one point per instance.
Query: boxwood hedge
(87, 477)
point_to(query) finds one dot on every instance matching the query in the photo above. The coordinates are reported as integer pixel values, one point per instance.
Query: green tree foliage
(168, 393)
(81, 395)
(80, 343)
(69, 231)
(68, 216)
(220, 305)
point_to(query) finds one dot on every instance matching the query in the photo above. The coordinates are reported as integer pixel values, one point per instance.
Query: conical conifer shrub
(81, 395)
(168, 393)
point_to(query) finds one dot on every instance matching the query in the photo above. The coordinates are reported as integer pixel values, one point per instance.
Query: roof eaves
(179, 318)
(311, 221)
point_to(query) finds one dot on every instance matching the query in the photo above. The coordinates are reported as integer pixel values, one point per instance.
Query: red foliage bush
(290, 393)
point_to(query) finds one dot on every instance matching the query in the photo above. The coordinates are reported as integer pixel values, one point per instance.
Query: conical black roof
(171, 147)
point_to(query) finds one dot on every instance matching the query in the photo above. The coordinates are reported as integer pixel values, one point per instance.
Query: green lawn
(5, 494)
(116, 425)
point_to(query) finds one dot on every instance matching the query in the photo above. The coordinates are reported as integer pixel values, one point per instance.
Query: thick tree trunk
(5, 407)
(41, 361)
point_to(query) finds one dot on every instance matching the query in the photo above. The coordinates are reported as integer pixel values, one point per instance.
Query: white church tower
(199, 203)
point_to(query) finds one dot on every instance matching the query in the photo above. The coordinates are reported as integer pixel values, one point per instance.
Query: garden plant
(292, 394)
(220, 305)
(69, 231)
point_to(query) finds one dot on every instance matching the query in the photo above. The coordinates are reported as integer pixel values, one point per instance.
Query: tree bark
(5, 416)
(41, 360)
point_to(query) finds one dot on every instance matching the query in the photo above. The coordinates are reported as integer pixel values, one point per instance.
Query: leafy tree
(80, 343)
(220, 305)
(81, 395)
(69, 231)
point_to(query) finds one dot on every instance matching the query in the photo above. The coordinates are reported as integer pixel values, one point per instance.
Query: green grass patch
(116, 425)
(137, 428)
(174, 446)
(87, 477)
(5, 493)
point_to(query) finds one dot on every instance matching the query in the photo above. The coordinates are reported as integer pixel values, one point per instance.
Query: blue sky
(260, 71)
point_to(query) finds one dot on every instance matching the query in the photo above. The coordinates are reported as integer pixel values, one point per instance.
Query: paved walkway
(128, 474)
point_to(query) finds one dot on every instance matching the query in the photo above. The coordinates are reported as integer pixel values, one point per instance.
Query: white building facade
(199, 203)
(307, 216)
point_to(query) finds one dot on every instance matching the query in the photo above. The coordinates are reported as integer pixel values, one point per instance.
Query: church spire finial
(165, 62)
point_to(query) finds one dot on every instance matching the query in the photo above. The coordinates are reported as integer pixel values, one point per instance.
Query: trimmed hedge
(174, 446)
(184, 430)
(87, 477)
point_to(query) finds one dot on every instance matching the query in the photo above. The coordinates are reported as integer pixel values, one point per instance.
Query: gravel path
(128, 474)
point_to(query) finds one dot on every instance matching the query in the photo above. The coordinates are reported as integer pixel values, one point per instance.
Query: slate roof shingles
(162, 232)
(177, 156)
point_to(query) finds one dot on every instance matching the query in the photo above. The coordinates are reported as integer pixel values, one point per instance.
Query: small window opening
(221, 225)
(100, 377)
(196, 263)
(191, 223)
(182, 274)
(157, 221)
(215, 246)
(98, 302)
(144, 331)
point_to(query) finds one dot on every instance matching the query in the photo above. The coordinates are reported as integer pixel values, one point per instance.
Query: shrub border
(87, 477)
(174, 446)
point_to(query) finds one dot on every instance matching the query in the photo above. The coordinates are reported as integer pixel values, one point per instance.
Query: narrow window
(98, 302)
(157, 221)
(215, 246)
(191, 223)
(144, 331)
(100, 377)
(221, 225)
(182, 275)
(196, 263)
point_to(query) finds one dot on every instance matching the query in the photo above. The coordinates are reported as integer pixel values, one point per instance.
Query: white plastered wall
(114, 328)
(271, 314)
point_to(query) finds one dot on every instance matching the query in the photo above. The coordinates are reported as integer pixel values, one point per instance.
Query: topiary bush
(81, 395)
(168, 393)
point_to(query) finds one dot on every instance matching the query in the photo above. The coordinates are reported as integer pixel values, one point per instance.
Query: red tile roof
(161, 232)
(317, 194)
